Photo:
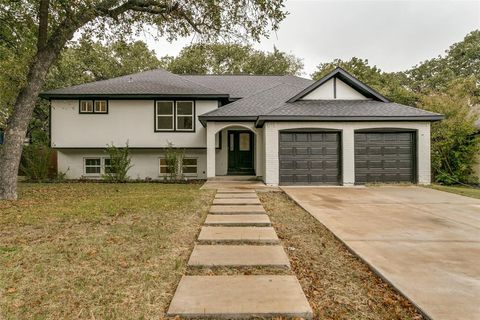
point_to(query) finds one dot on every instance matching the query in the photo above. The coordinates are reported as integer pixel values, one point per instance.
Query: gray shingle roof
(153, 82)
(240, 86)
(270, 104)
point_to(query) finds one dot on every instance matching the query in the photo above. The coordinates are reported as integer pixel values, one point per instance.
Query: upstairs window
(93, 106)
(164, 115)
(100, 106)
(174, 116)
(86, 106)
(184, 115)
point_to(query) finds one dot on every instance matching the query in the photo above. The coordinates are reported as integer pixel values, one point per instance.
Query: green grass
(461, 190)
(99, 251)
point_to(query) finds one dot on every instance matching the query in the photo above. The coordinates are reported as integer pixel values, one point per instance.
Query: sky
(393, 35)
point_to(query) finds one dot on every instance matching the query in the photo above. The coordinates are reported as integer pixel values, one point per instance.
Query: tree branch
(42, 24)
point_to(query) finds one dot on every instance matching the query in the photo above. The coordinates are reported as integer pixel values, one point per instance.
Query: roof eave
(204, 119)
(262, 119)
(64, 96)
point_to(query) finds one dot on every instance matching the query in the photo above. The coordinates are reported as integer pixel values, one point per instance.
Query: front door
(240, 153)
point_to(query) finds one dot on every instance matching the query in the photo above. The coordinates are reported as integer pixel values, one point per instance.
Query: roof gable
(338, 84)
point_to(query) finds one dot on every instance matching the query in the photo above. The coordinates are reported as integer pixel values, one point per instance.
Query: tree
(394, 86)
(53, 23)
(454, 145)
(461, 60)
(232, 58)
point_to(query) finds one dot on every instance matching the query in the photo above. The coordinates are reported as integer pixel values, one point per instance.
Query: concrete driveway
(425, 242)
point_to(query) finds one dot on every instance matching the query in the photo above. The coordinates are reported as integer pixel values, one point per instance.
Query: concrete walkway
(238, 234)
(425, 242)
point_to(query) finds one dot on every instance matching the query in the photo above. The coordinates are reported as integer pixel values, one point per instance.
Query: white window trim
(102, 166)
(184, 115)
(95, 106)
(165, 115)
(196, 166)
(160, 174)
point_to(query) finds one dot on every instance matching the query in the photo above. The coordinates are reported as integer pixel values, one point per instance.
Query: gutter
(262, 119)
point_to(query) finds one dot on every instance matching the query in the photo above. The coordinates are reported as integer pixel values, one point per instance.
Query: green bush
(454, 145)
(36, 161)
(119, 164)
(173, 160)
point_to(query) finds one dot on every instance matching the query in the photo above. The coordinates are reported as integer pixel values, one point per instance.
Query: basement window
(96, 166)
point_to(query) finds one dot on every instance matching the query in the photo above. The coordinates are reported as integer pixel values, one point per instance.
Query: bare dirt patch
(337, 284)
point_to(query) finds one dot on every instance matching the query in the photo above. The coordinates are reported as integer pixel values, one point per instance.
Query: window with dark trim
(93, 106)
(164, 116)
(174, 115)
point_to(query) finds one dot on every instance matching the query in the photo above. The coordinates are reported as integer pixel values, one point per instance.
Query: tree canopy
(42, 28)
(232, 58)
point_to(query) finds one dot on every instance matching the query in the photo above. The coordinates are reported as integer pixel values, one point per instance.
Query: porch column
(210, 150)
(348, 156)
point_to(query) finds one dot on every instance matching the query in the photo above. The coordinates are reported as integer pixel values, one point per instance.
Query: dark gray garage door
(309, 158)
(384, 157)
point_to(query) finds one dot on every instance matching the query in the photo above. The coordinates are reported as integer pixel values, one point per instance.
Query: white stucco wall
(145, 162)
(326, 92)
(127, 120)
(271, 134)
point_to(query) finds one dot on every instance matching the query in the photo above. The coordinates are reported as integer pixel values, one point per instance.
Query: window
(189, 167)
(164, 116)
(184, 115)
(163, 167)
(86, 106)
(107, 165)
(100, 106)
(174, 116)
(93, 166)
(93, 106)
(244, 142)
(96, 166)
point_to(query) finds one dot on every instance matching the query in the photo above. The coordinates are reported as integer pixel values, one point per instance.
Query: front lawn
(337, 284)
(97, 251)
(461, 190)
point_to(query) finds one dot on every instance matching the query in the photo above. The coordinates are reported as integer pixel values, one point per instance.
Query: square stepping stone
(243, 195)
(239, 297)
(236, 201)
(238, 256)
(237, 209)
(237, 220)
(238, 234)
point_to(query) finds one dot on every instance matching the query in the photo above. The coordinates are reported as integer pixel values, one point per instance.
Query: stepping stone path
(238, 233)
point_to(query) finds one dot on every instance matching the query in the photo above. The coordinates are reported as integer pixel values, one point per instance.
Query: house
(284, 130)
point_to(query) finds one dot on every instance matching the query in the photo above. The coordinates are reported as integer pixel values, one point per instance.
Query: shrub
(454, 145)
(120, 163)
(173, 160)
(36, 160)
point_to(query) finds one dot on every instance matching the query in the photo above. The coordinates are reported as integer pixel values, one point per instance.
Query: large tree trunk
(17, 125)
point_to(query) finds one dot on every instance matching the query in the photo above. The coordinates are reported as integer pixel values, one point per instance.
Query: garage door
(309, 158)
(384, 157)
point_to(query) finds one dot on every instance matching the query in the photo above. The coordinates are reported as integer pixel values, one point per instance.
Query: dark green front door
(240, 153)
